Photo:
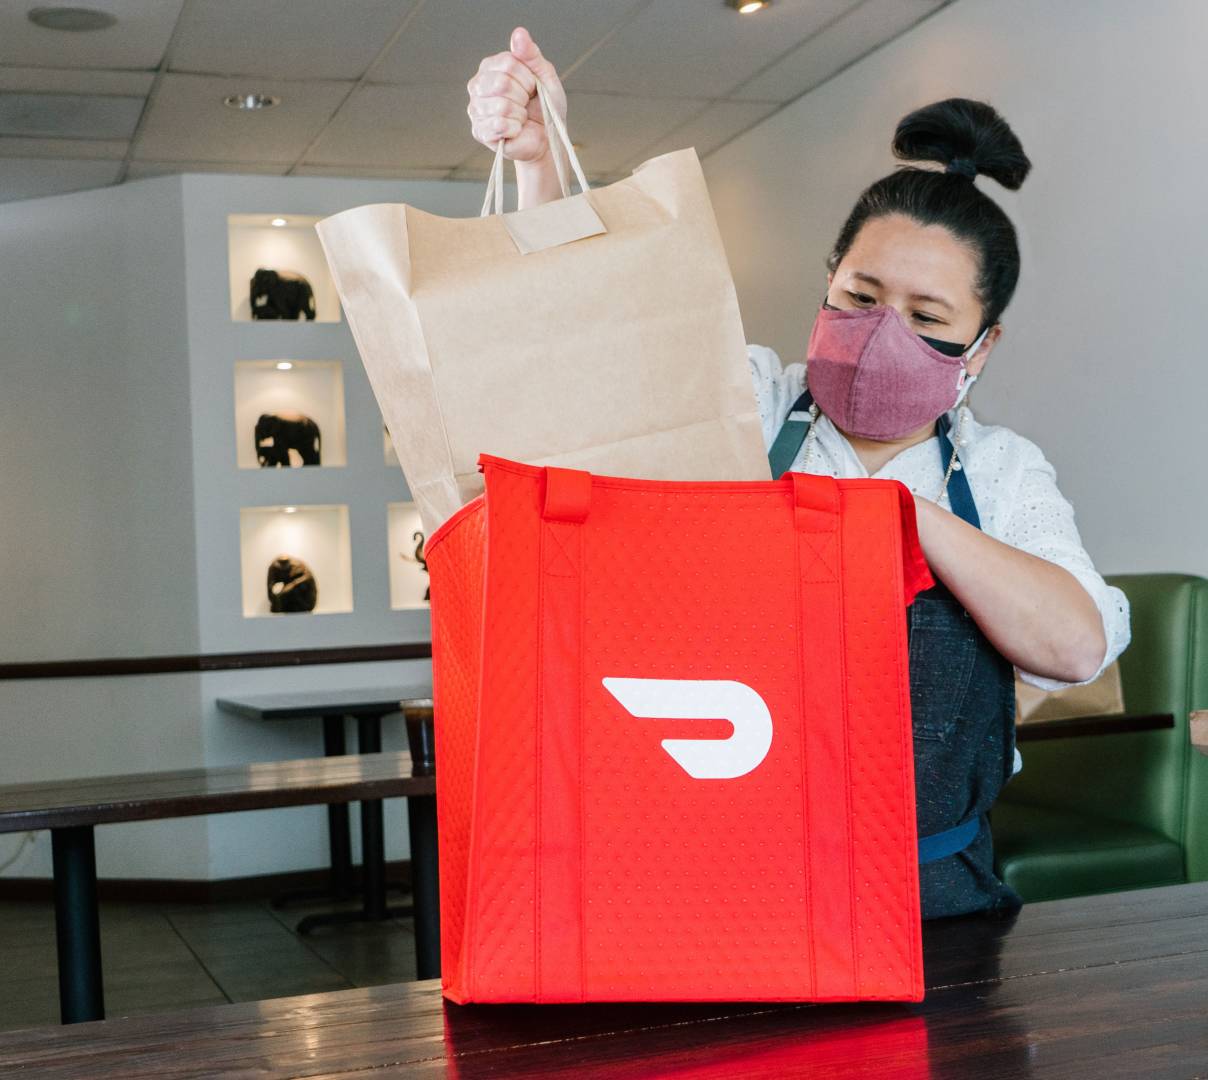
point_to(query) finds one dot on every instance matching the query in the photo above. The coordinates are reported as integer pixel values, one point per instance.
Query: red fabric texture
(580, 858)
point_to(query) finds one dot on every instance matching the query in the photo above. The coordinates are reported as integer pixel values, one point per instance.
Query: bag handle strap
(553, 126)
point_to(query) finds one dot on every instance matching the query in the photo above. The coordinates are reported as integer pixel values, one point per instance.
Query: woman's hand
(1036, 613)
(503, 105)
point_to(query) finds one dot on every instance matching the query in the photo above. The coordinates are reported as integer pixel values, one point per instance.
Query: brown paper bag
(1103, 697)
(600, 331)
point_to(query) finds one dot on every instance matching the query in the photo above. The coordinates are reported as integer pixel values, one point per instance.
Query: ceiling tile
(447, 38)
(64, 81)
(137, 40)
(88, 149)
(140, 169)
(289, 39)
(187, 120)
(371, 171)
(28, 178)
(699, 48)
(77, 116)
(867, 26)
(612, 128)
(396, 126)
(716, 124)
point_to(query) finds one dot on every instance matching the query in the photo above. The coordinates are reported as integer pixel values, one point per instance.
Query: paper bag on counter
(599, 331)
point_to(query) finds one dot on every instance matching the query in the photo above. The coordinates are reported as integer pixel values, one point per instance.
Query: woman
(918, 279)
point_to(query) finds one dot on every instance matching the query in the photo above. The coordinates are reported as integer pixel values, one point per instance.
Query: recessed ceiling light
(747, 7)
(284, 365)
(279, 222)
(71, 18)
(250, 101)
(290, 509)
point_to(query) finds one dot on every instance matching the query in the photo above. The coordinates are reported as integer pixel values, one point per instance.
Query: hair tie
(965, 167)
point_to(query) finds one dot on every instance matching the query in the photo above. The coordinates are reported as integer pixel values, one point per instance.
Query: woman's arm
(1036, 613)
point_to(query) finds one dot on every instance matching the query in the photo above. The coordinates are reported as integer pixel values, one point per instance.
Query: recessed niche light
(747, 7)
(290, 509)
(71, 18)
(279, 222)
(250, 101)
(284, 365)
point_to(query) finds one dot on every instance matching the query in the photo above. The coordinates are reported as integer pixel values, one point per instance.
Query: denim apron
(962, 702)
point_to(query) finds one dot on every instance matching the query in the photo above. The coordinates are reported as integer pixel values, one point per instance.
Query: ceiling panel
(139, 169)
(28, 178)
(188, 122)
(700, 48)
(291, 39)
(374, 171)
(137, 40)
(870, 24)
(377, 87)
(446, 39)
(62, 80)
(716, 124)
(101, 149)
(413, 126)
(611, 128)
(76, 116)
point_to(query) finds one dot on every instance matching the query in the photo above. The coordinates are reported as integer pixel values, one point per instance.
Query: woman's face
(924, 272)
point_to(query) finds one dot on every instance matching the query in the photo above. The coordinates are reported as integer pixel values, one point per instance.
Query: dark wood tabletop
(1097, 987)
(142, 797)
(306, 703)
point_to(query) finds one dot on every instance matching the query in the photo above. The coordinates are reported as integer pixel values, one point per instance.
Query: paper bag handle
(553, 124)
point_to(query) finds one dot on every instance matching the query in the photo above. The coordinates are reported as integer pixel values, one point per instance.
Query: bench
(1107, 986)
(71, 809)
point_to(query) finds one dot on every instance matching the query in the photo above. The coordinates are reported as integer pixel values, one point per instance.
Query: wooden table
(368, 707)
(1109, 986)
(1078, 726)
(71, 809)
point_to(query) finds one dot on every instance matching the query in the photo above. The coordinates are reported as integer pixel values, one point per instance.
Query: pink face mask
(875, 377)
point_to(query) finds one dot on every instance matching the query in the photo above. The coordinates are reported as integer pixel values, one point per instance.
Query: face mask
(878, 379)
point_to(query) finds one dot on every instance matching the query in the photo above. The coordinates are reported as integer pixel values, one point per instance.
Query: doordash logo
(703, 699)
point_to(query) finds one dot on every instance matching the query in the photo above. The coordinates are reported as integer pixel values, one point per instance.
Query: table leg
(373, 851)
(77, 925)
(425, 885)
(337, 816)
(373, 846)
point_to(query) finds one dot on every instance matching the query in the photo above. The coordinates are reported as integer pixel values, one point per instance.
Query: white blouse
(1014, 485)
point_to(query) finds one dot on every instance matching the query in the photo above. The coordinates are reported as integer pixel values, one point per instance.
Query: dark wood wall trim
(159, 665)
(172, 890)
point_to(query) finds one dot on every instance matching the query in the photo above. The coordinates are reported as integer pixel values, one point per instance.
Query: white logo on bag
(700, 699)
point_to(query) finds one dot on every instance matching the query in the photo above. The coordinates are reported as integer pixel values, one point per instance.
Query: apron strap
(791, 436)
(942, 844)
(796, 426)
(960, 495)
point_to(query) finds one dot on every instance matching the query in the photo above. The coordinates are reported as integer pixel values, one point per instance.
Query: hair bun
(966, 137)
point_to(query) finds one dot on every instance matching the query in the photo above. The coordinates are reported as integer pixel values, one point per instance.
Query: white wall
(1102, 361)
(119, 509)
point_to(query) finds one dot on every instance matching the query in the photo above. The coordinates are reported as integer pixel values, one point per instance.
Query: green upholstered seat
(1102, 813)
(1048, 854)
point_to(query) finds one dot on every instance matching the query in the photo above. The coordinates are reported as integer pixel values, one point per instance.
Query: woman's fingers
(503, 99)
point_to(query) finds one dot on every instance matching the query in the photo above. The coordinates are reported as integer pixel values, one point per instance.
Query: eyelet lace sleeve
(1041, 522)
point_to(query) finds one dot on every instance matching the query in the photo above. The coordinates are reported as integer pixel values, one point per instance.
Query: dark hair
(967, 138)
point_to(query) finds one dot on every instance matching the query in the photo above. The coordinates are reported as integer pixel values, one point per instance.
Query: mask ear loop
(962, 407)
(965, 380)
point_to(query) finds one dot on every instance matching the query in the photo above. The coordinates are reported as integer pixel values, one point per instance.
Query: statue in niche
(282, 437)
(282, 294)
(418, 557)
(291, 586)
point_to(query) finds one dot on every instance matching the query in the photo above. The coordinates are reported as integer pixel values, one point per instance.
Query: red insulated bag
(673, 738)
